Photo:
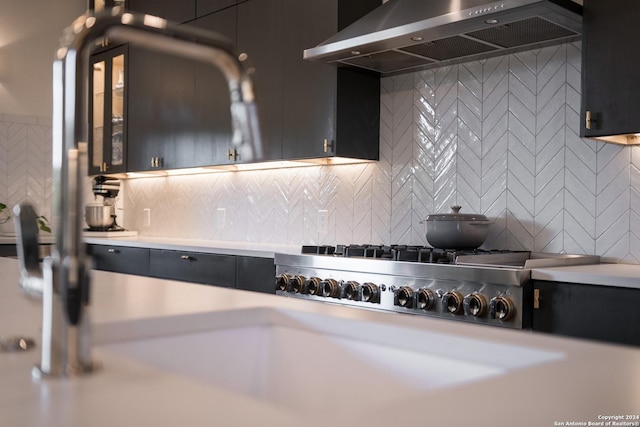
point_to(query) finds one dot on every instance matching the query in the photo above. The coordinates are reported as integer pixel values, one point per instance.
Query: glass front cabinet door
(107, 111)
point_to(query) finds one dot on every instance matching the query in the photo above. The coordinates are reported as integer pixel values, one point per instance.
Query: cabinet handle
(232, 154)
(588, 120)
(103, 167)
(157, 162)
(536, 299)
(113, 251)
(186, 257)
(327, 145)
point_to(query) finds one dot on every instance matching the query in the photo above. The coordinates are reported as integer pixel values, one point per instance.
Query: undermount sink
(305, 361)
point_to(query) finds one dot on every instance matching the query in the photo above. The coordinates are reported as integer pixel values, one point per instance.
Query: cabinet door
(213, 115)
(255, 274)
(161, 115)
(205, 7)
(212, 269)
(601, 313)
(310, 94)
(176, 11)
(328, 111)
(108, 111)
(610, 83)
(120, 259)
(260, 34)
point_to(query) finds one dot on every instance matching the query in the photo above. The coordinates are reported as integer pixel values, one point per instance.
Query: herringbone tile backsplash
(499, 137)
(25, 162)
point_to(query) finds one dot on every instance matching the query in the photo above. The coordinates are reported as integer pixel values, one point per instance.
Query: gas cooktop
(480, 286)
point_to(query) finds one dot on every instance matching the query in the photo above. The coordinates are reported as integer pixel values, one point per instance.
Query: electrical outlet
(323, 221)
(221, 218)
(146, 217)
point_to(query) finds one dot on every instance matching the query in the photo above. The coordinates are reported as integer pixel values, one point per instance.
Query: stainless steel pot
(456, 230)
(99, 217)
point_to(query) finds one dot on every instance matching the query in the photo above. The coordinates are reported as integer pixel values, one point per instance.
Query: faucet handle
(28, 252)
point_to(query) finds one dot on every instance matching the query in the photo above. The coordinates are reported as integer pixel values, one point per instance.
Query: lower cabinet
(210, 269)
(255, 274)
(229, 271)
(120, 259)
(603, 313)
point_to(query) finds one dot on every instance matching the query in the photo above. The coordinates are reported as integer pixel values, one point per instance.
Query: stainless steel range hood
(407, 35)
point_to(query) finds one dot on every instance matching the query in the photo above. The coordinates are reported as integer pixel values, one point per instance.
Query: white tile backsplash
(498, 136)
(25, 162)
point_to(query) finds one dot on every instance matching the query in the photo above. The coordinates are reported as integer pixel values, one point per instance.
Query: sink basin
(302, 361)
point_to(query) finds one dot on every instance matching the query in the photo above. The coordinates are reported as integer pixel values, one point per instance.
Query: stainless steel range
(486, 287)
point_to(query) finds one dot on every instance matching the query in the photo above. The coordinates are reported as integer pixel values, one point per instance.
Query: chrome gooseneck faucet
(64, 283)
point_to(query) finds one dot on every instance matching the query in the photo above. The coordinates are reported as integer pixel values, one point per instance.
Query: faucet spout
(66, 280)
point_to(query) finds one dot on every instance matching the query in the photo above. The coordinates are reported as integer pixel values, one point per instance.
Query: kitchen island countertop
(579, 381)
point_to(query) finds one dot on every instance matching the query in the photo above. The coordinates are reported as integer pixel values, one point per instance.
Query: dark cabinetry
(108, 111)
(176, 11)
(205, 7)
(255, 274)
(328, 111)
(211, 269)
(603, 313)
(162, 125)
(609, 68)
(231, 271)
(120, 259)
(179, 110)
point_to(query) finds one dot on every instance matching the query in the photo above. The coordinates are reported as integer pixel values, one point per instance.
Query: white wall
(29, 35)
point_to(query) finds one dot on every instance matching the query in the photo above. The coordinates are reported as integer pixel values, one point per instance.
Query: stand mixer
(102, 216)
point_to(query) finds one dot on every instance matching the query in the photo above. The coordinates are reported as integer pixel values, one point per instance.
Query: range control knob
(311, 286)
(351, 290)
(475, 305)
(330, 288)
(404, 297)
(295, 284)
(501, 308)
(282, 281)
(452, 302)
(370, 293)
(425, 299)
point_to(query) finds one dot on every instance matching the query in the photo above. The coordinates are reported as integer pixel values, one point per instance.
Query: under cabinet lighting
(281, 164)
(629, 139)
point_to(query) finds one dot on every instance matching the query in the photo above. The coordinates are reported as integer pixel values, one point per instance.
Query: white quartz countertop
(566, 380)
(262, 250)
(618, 275)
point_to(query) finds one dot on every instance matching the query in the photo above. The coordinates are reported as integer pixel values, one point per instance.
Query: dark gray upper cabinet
(176, 11)
(212, 113)
(255, 27)
(179, 113)
(261, 31)
(162, 124)
(328, 111)
(610, 83)
(108, 89)
(205, 7)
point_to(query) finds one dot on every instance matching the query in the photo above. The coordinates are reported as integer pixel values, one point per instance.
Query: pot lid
(455, 215)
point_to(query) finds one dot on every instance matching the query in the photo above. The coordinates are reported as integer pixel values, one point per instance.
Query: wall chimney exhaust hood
(407, 35)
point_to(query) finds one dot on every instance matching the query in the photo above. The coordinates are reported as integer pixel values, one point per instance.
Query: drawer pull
(186, 257)
(113, 251)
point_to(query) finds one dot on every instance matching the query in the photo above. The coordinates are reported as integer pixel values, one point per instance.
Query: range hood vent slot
(449, 48)
(521, 33)
(397, 38)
